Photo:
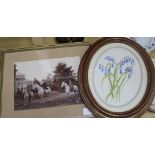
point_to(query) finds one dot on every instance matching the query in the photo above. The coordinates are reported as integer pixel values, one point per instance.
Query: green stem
(116, 86)
(119, 91)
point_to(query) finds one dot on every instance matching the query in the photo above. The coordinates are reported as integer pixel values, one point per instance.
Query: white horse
(76, 90)
(67, 88)
(31, 96)
(48, 91)
(26, 96)
(40, 91)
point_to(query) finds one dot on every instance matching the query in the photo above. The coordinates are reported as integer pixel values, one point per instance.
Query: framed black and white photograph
(41, 81)
(46, 83)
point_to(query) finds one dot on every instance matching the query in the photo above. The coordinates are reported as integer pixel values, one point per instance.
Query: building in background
(21, 81)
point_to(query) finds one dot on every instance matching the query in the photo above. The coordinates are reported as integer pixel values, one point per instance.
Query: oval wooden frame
(85, 91)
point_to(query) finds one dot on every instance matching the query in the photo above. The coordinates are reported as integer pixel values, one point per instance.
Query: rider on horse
(44, 84)
(37, 82)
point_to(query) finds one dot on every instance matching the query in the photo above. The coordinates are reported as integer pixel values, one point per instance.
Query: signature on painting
(117, 75)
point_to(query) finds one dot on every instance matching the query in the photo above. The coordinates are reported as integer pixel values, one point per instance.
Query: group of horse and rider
(33, 89)
(42, 88)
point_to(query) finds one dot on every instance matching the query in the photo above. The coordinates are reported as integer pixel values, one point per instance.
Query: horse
(31, 96)
(40, 91)
(66, 86)
(26, 96)
(76, 90)
(48, 91)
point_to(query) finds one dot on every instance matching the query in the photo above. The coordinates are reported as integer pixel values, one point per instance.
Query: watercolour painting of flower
(117, 75)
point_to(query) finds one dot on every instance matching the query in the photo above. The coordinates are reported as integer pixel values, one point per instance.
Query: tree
(63, 71)
(48, 78)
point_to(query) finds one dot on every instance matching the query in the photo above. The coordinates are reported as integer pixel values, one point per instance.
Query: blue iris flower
(111, 59)
(126, 66)
(128, 69)
(106, 70)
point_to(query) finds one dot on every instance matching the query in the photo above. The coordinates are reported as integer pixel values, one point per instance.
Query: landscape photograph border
(60, 51)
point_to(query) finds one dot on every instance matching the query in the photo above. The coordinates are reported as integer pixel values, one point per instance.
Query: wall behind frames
(18, 42)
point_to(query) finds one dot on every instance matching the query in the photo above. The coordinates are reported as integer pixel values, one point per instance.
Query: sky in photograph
(41, 68)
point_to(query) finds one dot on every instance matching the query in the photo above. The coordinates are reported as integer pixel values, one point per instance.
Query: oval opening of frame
(116, 78)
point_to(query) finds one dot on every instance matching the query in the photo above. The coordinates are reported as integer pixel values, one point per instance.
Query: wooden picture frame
(49, 56)
(116, 78)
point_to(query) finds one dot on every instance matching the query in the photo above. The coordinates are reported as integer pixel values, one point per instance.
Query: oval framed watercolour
(116, 78)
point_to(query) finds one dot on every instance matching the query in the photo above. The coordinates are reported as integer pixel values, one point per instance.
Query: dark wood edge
(85, 91)
(28, 49)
